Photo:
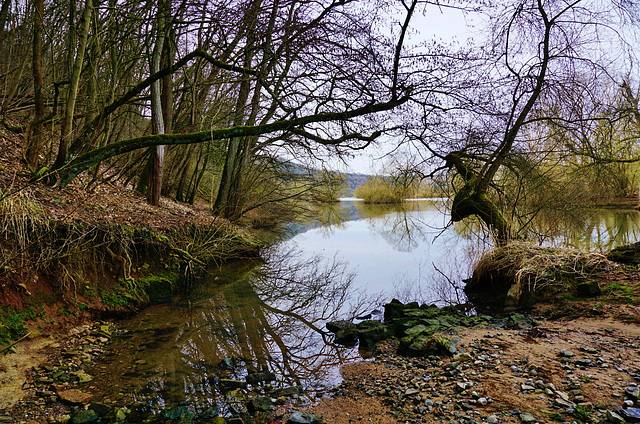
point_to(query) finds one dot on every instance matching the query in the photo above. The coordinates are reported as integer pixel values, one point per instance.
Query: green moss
(133, 292)
(12, 321)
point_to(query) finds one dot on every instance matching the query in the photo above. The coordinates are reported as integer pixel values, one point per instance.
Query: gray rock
(527, 418)
(633, 392)
(564, 403)
(585, 362)
(631, 414)
(613, 417)
(492, 419)
(304, 418)
(566, 353)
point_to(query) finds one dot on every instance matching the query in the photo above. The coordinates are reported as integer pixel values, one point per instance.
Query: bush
(377, 190)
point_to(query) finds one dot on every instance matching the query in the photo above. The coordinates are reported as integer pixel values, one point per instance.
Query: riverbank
(519, 368)
(584, 369)
(96, 249)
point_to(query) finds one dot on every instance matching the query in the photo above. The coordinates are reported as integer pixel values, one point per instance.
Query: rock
(100, 408)
(629, 254)
(633, 392)
(613, 417)
(258, 377)
(209, 413)
(287, 391)
(304, 418)
(425, 345)
(335, 326)
(121, 415)
(631, 414)
(62, 419)
(371, 332)
(564, 403)
(395, 309)
(588, 289)
(82, 376)
(180, 413)
(527, 418)
(584, 362)
(260, 404)
(492, 419)
(74, 396)
(84, 416)
(347, 337)
(462, 357)
(564, 353)
(226, 385)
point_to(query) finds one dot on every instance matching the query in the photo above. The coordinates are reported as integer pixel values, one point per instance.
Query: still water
(269, 316)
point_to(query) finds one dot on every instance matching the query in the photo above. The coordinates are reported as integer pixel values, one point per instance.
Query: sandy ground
(13, 368)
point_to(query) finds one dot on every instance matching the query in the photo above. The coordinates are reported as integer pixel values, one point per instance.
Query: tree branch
(83, 162)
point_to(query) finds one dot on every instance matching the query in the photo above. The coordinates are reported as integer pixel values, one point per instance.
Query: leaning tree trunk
(472, 199)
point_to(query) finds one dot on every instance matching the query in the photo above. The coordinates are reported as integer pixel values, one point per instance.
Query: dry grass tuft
(537, 267)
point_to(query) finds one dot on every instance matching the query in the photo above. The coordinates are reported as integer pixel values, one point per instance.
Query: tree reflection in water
(266, 317)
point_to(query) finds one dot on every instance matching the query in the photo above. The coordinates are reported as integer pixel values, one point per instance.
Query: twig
(15, 343)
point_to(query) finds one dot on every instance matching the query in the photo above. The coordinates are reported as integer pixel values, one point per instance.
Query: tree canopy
(224, 85)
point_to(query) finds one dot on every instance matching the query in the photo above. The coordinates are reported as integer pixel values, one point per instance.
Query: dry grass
(538, 268)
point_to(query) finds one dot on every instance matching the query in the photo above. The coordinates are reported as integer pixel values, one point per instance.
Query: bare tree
(539, 52)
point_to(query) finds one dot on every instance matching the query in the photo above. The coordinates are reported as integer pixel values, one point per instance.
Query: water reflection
(411, 250)
(591, 229)
(395, 249)
(246, 319)
(257, 318)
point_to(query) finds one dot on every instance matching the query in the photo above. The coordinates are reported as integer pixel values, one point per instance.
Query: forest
(156, 157)
(203, 101)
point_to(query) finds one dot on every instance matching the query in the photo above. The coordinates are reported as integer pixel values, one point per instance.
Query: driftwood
(6, 349)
